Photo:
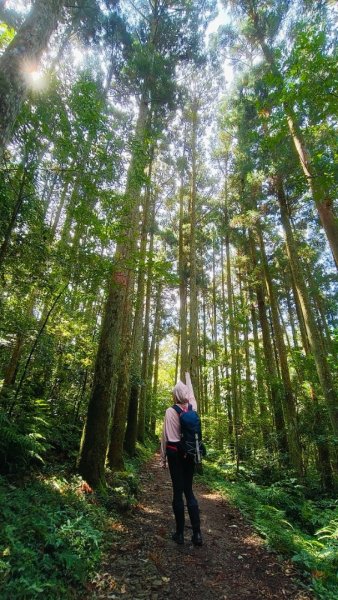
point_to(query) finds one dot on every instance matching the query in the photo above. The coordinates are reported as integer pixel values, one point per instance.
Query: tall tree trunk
(261, 396)
(193, 326)
(183, 281)
(152, 397)
(217, 389)
(313, 333)
(215, 352)
(154, 389)
(288, 401)
(249, 392)
(22, 56)
(135, 429)
(290, 310)
(205, 376)
(115, 453)
(145, 349)
(177, 355)
(233, 361)
(272, 379)
(94, 441)
(226, 349)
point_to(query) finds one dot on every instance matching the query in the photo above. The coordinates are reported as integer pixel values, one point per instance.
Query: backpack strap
(180, 410)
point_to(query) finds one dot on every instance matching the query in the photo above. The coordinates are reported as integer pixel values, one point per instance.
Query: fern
(20, 444)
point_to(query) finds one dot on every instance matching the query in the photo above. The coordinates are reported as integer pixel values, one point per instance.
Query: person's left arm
(192, 399)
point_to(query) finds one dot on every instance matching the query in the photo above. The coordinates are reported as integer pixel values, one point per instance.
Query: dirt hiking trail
(232, 564)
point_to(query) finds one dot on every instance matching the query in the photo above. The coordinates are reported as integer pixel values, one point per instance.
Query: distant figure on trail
(181, 464)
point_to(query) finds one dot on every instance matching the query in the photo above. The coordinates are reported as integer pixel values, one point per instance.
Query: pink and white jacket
(171, 431)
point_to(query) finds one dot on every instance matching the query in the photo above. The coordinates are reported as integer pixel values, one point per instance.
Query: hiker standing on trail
(181, 464)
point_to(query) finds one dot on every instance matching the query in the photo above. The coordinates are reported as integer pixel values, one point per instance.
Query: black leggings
(182, 473)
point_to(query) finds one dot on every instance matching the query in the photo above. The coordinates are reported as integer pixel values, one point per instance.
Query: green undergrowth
(55, 530)
(295, 526)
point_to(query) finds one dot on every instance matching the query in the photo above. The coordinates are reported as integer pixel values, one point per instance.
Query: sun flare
(34, 77)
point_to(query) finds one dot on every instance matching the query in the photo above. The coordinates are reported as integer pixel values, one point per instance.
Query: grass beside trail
(55, 530)
(301, 529)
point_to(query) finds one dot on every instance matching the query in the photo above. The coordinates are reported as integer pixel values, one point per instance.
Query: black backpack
(191, 433)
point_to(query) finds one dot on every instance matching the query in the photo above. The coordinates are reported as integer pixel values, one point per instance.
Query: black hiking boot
(178, 538)
(197, 538)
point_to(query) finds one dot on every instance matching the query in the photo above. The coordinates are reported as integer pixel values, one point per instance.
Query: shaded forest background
(168, 178)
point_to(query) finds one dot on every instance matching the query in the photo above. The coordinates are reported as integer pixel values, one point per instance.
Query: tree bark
(22, 56)
(271, 374)
(217, 389)
(288, 401)
(233, 361)
(133, 427)
(145, 383)
(95, 435)
(260, 390)
(226, 350)
(193, 325)
(313, 333)
(117, 433)
(152, 396)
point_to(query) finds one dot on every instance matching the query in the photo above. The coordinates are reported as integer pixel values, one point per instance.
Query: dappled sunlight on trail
(232, 564)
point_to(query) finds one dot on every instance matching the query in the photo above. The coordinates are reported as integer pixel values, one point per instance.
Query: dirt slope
(231, 565)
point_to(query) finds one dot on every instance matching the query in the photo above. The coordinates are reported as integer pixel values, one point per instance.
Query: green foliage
(52, 538)
(294, 526)
(56, 529)
(122, 489)
(20, 445)
(6, 35)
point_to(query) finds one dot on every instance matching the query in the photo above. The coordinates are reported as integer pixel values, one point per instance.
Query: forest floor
(233, 563)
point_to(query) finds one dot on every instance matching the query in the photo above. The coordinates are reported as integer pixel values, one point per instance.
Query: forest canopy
(168, 183)
(168, 189)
